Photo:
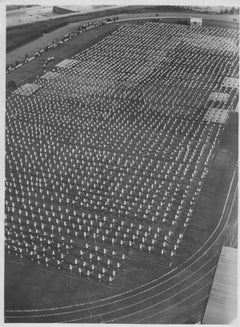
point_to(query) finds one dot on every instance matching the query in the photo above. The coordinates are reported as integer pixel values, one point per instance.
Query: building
(195, 21)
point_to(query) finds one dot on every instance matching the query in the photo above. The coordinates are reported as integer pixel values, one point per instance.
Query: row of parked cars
(54, 44)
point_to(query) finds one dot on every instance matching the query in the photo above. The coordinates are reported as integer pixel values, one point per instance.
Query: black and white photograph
(120, 162)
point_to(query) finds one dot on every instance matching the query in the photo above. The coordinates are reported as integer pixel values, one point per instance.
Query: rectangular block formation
(27, 89)
(231, 82)
(218, 96)
(67, 63)
(50, 75)
(214, 115)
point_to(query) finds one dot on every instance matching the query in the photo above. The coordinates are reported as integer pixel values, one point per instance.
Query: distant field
(16, 7)
(20, 15)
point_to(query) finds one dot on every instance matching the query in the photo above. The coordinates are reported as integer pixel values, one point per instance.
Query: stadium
(121, 169)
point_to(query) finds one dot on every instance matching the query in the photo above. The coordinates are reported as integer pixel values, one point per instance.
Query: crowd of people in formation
(106, 154)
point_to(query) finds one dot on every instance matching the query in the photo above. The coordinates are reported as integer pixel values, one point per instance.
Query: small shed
(195, 21)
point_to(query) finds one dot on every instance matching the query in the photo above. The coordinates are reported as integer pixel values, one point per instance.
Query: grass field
(171, 295)
(16, 37)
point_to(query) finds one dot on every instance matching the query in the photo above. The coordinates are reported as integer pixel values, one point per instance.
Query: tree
(11, 85)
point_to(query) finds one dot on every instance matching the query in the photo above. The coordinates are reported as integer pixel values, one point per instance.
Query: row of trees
(232, 11)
